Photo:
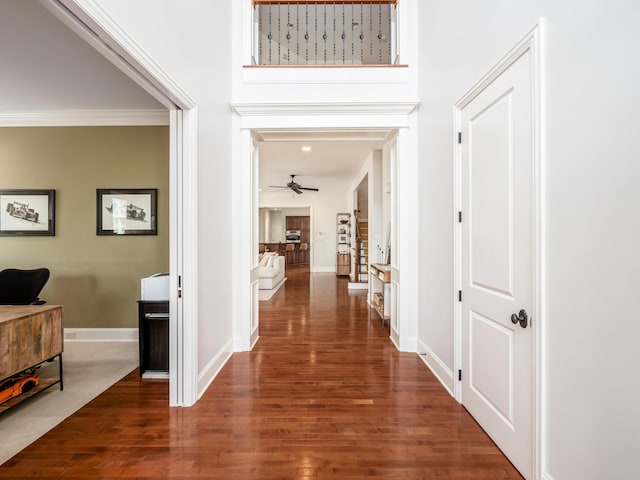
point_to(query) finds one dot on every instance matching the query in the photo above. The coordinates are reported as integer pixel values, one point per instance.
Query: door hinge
(179, 286)
(459, 137)
(459, 375)
(459, 295)
(459, 217)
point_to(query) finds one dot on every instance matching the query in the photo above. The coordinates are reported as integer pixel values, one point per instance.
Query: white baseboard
(438, 368)
(101, 334)
(410, 345)
(324, 269)
(155, 375)
(213, 368)
(358, 286)
(393, 340)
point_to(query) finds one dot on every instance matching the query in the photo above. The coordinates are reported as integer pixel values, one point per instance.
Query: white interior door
(497, 169)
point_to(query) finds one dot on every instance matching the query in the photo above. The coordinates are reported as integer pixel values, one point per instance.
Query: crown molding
(85, 118)
(364, 108)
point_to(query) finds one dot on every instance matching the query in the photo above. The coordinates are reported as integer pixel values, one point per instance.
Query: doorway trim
(94, 26)
(532, 42)
(319, 117)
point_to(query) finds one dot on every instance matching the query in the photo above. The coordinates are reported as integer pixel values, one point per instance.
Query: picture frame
(126, 211)
(27, 212)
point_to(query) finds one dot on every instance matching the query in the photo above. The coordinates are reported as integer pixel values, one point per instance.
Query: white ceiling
(47, 67)
(334, 160)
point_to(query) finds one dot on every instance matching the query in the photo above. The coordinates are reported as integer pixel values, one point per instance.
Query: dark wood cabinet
(302, 223)
(153, 339)
(305, 228)
(294, 223)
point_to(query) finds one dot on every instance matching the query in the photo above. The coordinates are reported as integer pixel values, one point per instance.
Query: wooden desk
(29, 336)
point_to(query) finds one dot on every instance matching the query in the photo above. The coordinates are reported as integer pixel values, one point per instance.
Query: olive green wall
(96, 278)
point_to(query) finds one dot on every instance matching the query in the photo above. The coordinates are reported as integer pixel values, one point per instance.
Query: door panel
(491, 378)
(491, 248)
(497, 260)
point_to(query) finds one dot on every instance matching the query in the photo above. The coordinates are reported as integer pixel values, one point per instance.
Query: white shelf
(343, 244)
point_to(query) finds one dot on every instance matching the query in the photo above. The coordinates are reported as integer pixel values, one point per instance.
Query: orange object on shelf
(17, 385)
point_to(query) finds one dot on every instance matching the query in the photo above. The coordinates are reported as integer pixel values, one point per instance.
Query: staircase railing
(325, 32)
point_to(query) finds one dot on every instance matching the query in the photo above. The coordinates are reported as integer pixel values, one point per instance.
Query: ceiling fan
(296, 187)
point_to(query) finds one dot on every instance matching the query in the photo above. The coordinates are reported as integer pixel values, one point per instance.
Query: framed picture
(27, 212)
(126, 211)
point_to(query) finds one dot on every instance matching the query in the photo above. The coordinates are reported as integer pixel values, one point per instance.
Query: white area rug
(265, 295)
(89, 369)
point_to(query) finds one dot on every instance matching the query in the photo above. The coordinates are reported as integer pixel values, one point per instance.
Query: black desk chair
(22, 287)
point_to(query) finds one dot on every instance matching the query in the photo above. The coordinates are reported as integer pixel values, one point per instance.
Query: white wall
(386, 193)
(371, 177)
(183, 38)
(324, 206)
(591, 428)
(376, 199)
(46, 67)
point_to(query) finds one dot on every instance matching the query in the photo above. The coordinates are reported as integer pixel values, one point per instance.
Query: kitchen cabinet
(294, 223)
(302, 223)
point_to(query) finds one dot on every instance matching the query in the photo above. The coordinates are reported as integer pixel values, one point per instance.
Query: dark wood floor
(324, 394)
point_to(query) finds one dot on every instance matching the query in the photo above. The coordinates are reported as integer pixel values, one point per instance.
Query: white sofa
(270, 271)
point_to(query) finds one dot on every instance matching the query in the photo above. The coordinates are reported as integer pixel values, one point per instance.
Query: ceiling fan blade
(296, 189)
(278, 186)
(307, 188)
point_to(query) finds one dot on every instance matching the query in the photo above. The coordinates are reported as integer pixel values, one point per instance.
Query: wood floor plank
(324, 394)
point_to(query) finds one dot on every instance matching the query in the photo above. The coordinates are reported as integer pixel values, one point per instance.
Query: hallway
(324, 394)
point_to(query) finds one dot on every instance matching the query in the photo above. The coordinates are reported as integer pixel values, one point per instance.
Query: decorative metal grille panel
(325, 33)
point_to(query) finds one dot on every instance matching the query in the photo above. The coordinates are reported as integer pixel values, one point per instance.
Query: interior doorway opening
(97, 29)
(357, 180)
(391, 121)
